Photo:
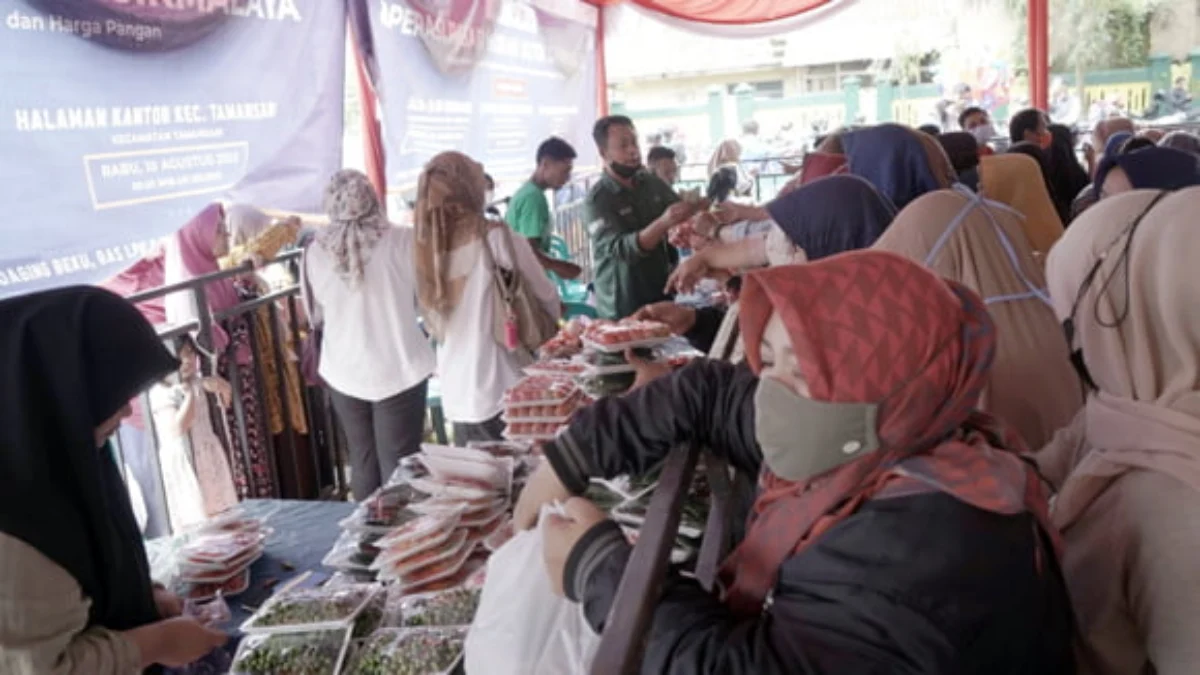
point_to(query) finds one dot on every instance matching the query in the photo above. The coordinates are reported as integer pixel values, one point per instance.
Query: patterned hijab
(873, 327)
(449, 215)
(356, 223)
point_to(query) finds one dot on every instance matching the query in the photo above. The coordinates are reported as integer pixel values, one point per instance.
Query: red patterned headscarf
(873, 327)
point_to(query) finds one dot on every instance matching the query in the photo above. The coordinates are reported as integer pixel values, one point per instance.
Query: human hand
(646, 370)
(167, 603)
(179, 642)
(1089, 153)
(542, 488)
(677, 213)
(731, 212)
(706, 224)
(687, 274)
(220, 388)
(678, 318)
(563, 532)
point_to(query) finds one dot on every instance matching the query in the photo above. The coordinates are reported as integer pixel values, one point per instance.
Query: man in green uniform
(528, 210)
(629, 212)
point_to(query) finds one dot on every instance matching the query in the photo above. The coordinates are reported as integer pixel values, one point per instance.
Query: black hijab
(71, 359)
(1067, 177)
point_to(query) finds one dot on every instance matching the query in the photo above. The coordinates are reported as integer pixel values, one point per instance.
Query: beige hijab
(729, 152)
(982, 245)
(1139, 332)
(1016, 180)
(448, 216)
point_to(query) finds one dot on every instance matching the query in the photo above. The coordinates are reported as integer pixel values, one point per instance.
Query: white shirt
(372, 346)
(473, 369)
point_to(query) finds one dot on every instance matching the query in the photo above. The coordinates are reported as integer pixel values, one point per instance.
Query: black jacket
(920, 584)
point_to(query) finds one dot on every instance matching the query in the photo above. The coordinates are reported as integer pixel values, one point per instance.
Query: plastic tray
(399, 566)
(618, 347)
(430, 573)
(470, 454)
(440, 608)
(328, 646)
(555, 367)
(501, 449)
(235, 585)
(420, 531)
(532, 431)
(454, 490)
(493, 473)
(209, 575)
(439, 650)
(216, 551)
(540, 390)
(355, 598)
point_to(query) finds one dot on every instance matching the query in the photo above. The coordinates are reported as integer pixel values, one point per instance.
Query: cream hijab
(1137, 326)
(982, 245)
(1016, 180)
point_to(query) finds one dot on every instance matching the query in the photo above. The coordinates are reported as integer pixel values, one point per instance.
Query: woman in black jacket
(896, 530)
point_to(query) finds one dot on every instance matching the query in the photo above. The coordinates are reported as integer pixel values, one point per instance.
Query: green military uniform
(529, 215)
(626, 277)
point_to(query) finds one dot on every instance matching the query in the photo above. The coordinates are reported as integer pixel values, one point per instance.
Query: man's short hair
(1026, 120)
(931, 129)
(971, 110)
(600, 130)
(659, 152)
(557, 149)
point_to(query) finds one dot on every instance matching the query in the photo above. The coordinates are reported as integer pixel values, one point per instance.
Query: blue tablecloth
(303, 533)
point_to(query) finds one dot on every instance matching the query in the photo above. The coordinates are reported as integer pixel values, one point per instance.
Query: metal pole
(1039, 51)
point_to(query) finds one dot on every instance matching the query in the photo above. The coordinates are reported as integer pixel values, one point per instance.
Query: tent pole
(1039, 53)
(601, 70)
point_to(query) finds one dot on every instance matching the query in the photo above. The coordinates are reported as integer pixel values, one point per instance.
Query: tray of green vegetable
(409, 651)
(312, 653)
(442, 608)
(310, 609)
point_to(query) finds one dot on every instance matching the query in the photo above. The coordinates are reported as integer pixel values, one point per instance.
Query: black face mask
(625, 171)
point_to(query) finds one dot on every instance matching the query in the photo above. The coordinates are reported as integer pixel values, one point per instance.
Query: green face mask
(802, 438)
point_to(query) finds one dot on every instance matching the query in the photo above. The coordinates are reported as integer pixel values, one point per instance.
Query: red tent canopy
(732, 12)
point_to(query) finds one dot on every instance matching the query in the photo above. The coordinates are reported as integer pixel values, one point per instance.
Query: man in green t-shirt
(528, 210)
(629, 212)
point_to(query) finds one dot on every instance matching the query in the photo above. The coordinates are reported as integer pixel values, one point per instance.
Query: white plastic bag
(522, 627)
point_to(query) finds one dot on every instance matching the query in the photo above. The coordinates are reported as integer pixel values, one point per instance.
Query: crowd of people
(963, 382)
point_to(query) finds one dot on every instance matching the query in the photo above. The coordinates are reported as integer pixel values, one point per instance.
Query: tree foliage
(1093, 34)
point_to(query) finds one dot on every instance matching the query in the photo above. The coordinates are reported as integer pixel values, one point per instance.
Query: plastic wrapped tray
(400, 564)
(310, 609)
(441, 608)
(210, 574)
(385, 510)
(419, 578)
(409, 651)
(215, 551)
(555, 367)
(235, 585)
(310, 653)
(453, 489)
(417, 535)
(493, 473)
(532, 431)
(470, 454)
(556, 412)
(352, 552)
(610, 384)
(627, 334)
(540, 390)
(501, 448)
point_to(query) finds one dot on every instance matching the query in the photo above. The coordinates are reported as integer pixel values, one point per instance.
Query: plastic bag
(522, 627)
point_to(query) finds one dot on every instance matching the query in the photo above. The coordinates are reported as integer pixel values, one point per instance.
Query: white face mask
(488, 198)
(984, 133)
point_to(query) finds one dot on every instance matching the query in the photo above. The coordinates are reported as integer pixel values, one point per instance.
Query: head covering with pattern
(356, 223)
(873, 327)
(449, 215)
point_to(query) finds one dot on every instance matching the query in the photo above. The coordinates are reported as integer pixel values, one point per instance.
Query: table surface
(304, 531)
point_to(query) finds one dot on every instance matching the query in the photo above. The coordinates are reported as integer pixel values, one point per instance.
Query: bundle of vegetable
(318, 653)
(426, 651)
